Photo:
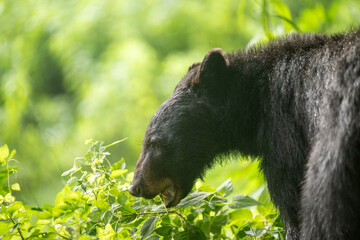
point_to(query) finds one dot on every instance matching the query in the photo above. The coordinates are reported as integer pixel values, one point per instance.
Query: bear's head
(181, 139)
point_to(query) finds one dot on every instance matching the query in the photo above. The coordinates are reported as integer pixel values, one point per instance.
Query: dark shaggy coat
(295, 103)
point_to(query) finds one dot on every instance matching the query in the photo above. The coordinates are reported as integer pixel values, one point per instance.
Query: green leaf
(79, 161)
(117, 173)
(34, 233)
(90, 229)
(106, 234)
(164, 231)
(122, 198)
(281, 8)
(226, 188)
(16, 226)
(219, 201)
(195, 233)
(85, 237)
(3, 209)
(278, 222)
(4, 153)
(241, 214)
(9, 198)
(203, 187)
(242, 201)
(102, 204)
(284, 15)
(47, 207)
(153, 237)
(183, 235)
(290, 23)
(60, 197)
(217, 222)
(118, 165)
(191, 217)
(13, 152)
(70, 171)
(95, 214)
(127, 209)
(15, 187)
(116, 142)
(50, 235)
(9, 170)
(148, 227)
(114, 207)
(72, 181)
(4, 227)
(106, 217)
(33, 220)
(193, 199)
(45, 215)
(48, 228)
(267, 206)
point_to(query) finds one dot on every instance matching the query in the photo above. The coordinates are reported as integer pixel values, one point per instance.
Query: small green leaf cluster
(96, 204)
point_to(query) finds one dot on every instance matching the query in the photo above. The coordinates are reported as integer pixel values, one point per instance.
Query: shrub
(96, 204)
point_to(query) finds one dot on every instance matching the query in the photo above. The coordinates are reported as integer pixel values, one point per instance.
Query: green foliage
(6, 170)
(96, 204)
(73, 70)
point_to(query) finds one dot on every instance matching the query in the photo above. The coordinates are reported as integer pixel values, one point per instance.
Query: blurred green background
(75, 70)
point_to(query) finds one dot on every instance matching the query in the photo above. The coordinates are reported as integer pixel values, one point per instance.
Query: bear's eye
(153, 143)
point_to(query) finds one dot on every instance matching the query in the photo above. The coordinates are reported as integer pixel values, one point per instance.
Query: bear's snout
(135, 190)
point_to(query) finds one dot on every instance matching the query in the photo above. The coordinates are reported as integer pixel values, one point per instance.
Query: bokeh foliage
(77, 69)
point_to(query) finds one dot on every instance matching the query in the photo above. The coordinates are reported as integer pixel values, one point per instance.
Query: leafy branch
(96, 204)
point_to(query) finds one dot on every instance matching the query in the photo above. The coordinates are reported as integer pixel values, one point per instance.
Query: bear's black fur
(295, 102)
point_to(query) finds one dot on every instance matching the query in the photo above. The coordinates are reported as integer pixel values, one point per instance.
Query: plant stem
(18, 229)
(155, 213)
(182, 217)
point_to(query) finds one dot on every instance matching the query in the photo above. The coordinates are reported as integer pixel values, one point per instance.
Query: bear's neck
(242, 109)
(255, 91)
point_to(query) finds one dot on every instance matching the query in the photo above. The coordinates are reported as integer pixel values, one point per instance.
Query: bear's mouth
(171, 195)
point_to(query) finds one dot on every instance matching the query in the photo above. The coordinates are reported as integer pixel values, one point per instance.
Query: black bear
(295, 102)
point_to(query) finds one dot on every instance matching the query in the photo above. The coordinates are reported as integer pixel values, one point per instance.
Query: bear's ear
(212, 69)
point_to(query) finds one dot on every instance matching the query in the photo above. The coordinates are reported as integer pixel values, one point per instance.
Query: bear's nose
(135, 190)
